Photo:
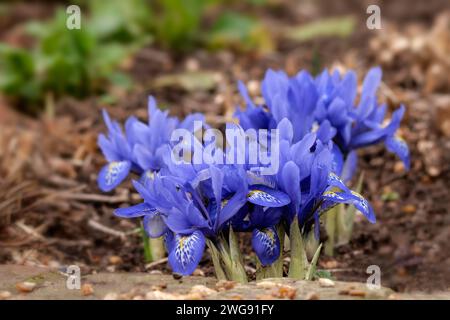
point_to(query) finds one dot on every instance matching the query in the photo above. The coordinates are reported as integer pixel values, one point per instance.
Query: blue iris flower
(142, 148)
(320, 128)
(327, 101)
(189, 212)
(117, 147)
(306, 174)
(358, 125)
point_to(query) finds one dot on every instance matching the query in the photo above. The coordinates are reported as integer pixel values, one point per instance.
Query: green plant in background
(127, 22)
(178, 25)
(17, 76)
(177, 22)
(73, 62)
(240, 32)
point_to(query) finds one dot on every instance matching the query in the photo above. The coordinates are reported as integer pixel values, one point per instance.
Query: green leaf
(237, 262)
(299, 262)
(132, 25)
(313, 265)
(328, 27)
(323, 274)
(215, 256)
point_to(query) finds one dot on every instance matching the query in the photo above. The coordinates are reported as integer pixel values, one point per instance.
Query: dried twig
(153, 264)
(29, 230)
(100, 227)
(94, 197)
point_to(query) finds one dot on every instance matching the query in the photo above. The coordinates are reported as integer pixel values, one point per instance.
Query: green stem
(148, 257)
(330, 226)
(157, 248)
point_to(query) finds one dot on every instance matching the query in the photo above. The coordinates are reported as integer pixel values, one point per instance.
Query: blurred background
(190, 54)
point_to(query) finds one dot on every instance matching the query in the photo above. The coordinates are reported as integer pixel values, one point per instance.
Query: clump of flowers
(194, 205)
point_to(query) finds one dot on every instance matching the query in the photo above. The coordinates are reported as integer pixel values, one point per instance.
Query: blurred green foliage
(127, 22)
(17, 76)
(177, 22)
(179, 25)
(240, 32)
(340, 26)
(85, 61)
(74, 62)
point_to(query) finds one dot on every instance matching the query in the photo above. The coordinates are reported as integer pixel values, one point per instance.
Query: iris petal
(332, 198)
(398, 146)
(112, 174)
(267, 197)
(335, 181)
(186, 252)
(154, 225)
(138, 210)
(349, 167)
(266, 244)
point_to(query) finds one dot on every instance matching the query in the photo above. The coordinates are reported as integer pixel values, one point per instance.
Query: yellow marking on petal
(253, 192)
(270, 234)
(150, 174)
(182, 241)
(223, 203)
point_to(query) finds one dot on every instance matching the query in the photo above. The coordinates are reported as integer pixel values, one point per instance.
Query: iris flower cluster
(328, 104)
(194, 205)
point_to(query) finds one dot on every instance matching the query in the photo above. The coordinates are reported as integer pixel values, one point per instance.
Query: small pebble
(264, 297)
(203, 290)
(284, 292)
(158, 295)
(266, 284)
(223, 285)
(160, 286)
(343, 292)
(357, 293)
(111, 269)
(198, 272)
(4, 295)
(25, 287)
(155, 272)
(399, 167)
(193, 296)
(393, 296)
(312, 296)
(192, 64)
(253, 87)
(326, 283)
(111, 296)
(115, 260)
(409, 209)
(87, 289)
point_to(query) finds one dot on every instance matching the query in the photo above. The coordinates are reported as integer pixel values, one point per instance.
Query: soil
(51, 208)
